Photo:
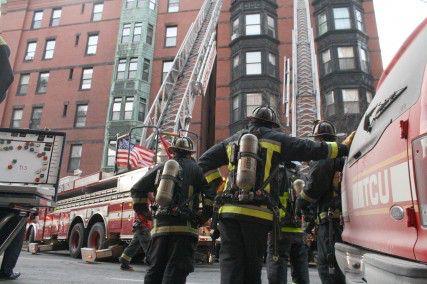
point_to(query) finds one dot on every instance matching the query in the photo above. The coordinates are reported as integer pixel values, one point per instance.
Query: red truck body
(384, 188)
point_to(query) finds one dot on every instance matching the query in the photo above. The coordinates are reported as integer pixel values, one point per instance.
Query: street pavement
(59, 267)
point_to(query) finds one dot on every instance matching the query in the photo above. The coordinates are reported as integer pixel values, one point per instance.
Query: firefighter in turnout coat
(246, 205)
(323, 189)
(178, 186)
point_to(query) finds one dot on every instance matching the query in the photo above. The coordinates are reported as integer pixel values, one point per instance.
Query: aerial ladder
(171, 110)
(305, 86)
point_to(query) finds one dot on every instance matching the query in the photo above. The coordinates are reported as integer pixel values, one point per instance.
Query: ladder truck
(96, 211)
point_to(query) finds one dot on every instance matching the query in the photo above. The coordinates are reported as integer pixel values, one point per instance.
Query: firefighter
(6, 74)
(179, 185)
(12, 252)
(290, 245)
(246, 206)
(141, 236)
(323, 189)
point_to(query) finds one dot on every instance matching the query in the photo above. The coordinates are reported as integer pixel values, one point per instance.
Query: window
(81, 113)
(16, 120)
(364, 64)
(167, 65)
(322, 22)
(76, 41)
(133, 68)
(350, 98)
(86, 82)
(92, 44)
(23, 85)
(359, 20)
(56, 17)
(252, 102)
(128, 107)
(117, 107)
(65, 109)
(129, 3)
(125, 33)
(137, 31)
(368, 97)
(171, 33)
(271, 64)
(121, 67)
(139, 3)
(236, 109)
(37, 20)
(36, 116)
(329, 102)
(173, 6)
(141, 111)
(70, 73)
(149, 39)
(152, 4)
(97, 12)
(253, 24)
(49, 49)
(111, 153)
(146, 70)
(235, 32)
(253, 63)
(342, 18)
(346, 58)
(31, 51)
(271, 27)
(236, 61)
(42, 82)
(326, 60)
(75, 157)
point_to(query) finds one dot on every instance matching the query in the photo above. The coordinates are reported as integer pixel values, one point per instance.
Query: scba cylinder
(166, 185)
(246, 166)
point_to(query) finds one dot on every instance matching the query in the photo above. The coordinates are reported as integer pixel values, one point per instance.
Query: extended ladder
(172, 108)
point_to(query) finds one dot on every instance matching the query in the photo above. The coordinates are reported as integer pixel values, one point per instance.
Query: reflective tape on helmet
(306, 197)
(139, 200)
(291, 230)
(2, 42)
(332, 150)
(248, 210)
(212, 175)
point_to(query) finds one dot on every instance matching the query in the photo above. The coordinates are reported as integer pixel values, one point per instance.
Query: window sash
(141, 111)
(146, 69)
(236, 111)
(81, 115)
(137, 31)
(128, 113)
(92, 44)
(37, 19)
(359, 20)
(125, 33)
(152, 4)
(129, 3)
(133, 68)
(235, 33)
(17, 115)
(173, 6)
(253, 100)
(253, 24)
(111, 153)
(36, 116)
(86, 78)
(271, 26)
(121, 67)
(42, 82)
(75, 157)
(56, 17)
(253, 63)
(97, 11)
(50, 49)
(171, 34)
(167, 66)
(23, 84)
(31, 51)
(342, 18)
(150, 31)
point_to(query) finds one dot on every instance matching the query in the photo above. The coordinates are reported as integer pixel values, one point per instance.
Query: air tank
(166, 185)
(247, 163)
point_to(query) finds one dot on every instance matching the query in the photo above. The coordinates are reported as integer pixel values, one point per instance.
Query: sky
(396, 19)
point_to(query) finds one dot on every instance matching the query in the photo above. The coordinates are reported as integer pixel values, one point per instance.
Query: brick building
(63, 56)
(136, 41)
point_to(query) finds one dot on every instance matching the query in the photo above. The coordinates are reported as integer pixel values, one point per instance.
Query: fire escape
(305, 89)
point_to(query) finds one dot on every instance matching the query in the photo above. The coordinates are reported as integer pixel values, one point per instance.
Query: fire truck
(384, 188)
(96, 211)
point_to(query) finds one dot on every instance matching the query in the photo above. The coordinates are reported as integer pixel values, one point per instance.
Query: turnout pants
(141, 239)
(324, 245)
(171, 259)
(12, 252)
(243, 245)
(290, 247)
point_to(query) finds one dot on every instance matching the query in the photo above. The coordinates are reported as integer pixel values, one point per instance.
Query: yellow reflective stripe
(284, 201)
(336, 214)
(212, 175)
(125, 257)
(173, 229)
(292, 230)
(240, 210)
(271, 147)
(332, 150)
(137, 200)
(306, 197)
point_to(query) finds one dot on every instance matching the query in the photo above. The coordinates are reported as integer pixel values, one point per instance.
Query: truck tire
(76, 240)
(96, 238)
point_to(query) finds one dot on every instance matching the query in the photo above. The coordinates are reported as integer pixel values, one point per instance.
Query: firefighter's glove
(347, 142)
(215, 234)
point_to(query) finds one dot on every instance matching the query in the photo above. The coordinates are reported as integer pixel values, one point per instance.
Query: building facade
(62, 54)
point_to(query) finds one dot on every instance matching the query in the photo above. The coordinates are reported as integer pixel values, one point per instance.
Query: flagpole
(115, 158)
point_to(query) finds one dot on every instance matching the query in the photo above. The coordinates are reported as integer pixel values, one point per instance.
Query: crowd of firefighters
(251, 188)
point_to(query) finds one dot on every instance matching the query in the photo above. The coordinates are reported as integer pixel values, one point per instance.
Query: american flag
(139, 156)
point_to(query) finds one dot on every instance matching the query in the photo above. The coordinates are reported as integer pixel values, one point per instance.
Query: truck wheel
(96, 238)
(75, 243)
